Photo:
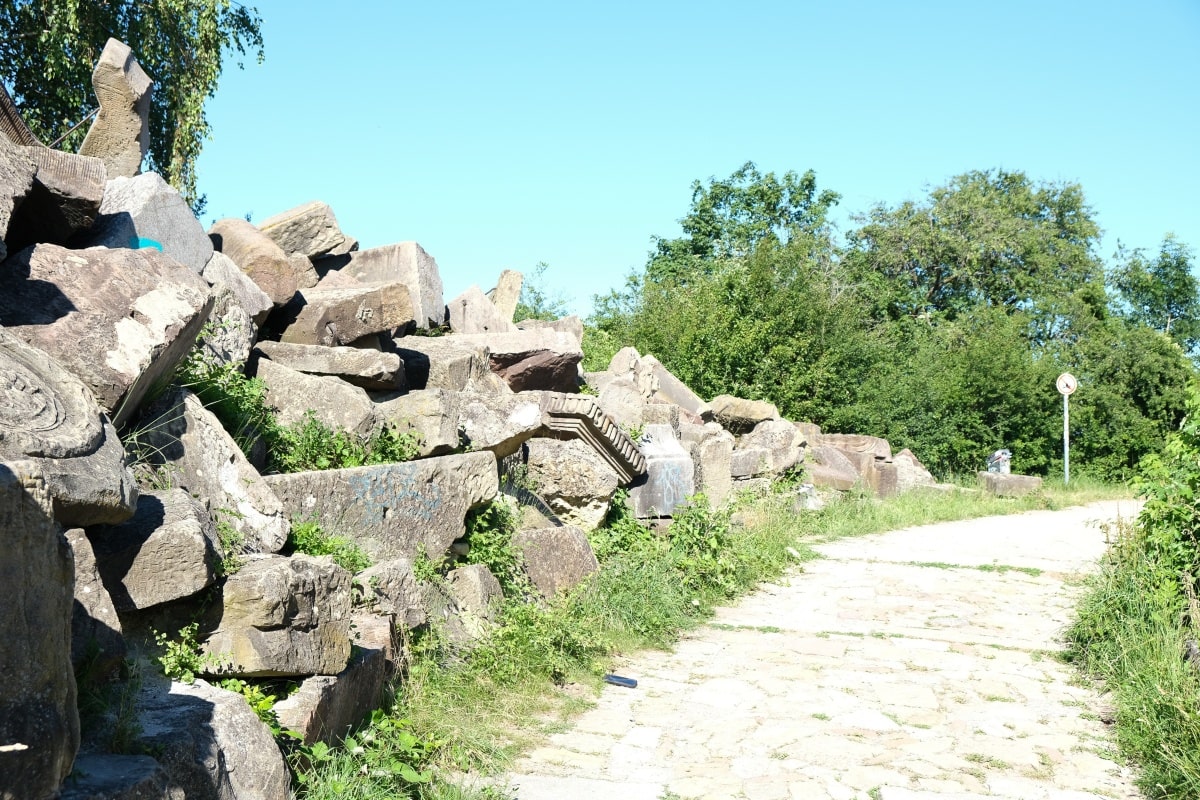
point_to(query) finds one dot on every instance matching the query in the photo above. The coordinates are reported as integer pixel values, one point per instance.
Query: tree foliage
(1162, 293)
(49, 48)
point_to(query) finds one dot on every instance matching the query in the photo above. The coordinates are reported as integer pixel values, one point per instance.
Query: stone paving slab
(912, 665)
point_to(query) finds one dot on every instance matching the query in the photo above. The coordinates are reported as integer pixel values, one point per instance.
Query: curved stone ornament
(48, 414)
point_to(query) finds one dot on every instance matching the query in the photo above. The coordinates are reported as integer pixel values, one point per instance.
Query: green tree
(1160, 293)
(49, 48)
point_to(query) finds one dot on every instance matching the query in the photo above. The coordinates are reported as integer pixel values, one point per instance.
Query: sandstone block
(102, 776)
(556, 559)
(574, 416)
(97, 641)
(507, 293)
(37, 707)
(333, 401)
(534, 359)
(739, 415)
(711, 449)
(49, 415)
(221, 269)
(910, 472)
(231, 332)
(408, 263)
(572, 478)
(1009, 485)
(310, 229)
(204, 459)
(17, 169)
(670, 475)
(475, 590)
(332, 317)
(473, 312)
(621, 400)
(263, 261)
(571, 325)
(389, 587)
(120, 134)
(284, 616)
(500, 423)
(12, 126)
(394, 510)
(854, 443)
(433, 414)
(783, 443)
(327, 707)
(443, 363)
(63, 201)
(369, 369)
(829, 468)
(167, 551)
(121, 320)
(146, 211)
(668, 388)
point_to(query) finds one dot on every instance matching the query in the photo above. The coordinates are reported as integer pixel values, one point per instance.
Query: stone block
(284, 616)
(535, 359)
(739, 415)
(332, 400)
(50, 416)
(63, 201)
(670, 475)
(103, 776)
(507, 294)
(443, 363)
(408, 263)
(659, 412)
(810, 432)
(167, 551)
(231, 331)
(369, 369)
(622, 401)
(910, 472)
(750, 462)
(220, 269)
(310, 229)
(854, 443)
(210, 743)
(576, 416)
(394, 510)
(571, 325)
(331, 317)
(258, 257)
(669, 389)
(782, 441)
(711, 449)
(203, 458)
(885, 481)
(97, 639)
(572, 478)
(475, 591)
(499, 423)
(556, 559)
(120, 133)
(1009, 485)
(121, 320)
(433, 414)
(390, 588)
(473, 312)
(829, 468)
(38, 712)
(17, 169)
(12, 126)
(326, 707)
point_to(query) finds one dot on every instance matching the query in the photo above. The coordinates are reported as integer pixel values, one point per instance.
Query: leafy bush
(385, 759)
(181, 658)
(310, 538)
(490, 530)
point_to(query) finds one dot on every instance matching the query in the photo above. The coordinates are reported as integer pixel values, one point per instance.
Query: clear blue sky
(501, 135)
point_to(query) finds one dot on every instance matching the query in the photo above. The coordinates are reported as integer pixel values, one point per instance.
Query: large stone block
(333, 402)
(780, 440)
(332, 317)
(231, 332)
(910, 472)
(739, 415)
(204, 459)
(473, 312)
(621, 400)
(63, 202)
(475, 591)
(556, 559)
(711, 449)
(369, 369)
(103, 776)
(670, 475)
(571, 325)
(432, 414)
(310, 229)
(575, 416)
(263, 261)
(668, 388)
(12, 126)
(284, 616)
(49, 415)
(444, 362)
(121, 320)
(507, 293)
(221, 269)
(572, 478)
(167, 551)
(97, 639)
(326, 707)
(535, 359)
(854, 443)
(497, 422)
(829, 468)
(394, 510)
(120, 134)
(389, 587)
(408, 263)
(146, 211)
(1009, 485)
(211, 743)
(39, 723)
(17, 169)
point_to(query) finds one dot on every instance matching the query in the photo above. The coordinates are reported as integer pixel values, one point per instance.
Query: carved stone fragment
(120, 134)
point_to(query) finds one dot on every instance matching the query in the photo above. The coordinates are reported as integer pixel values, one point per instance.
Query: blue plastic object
(617, 680)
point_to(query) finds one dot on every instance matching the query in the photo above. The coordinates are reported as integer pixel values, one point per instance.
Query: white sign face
(1067, 383)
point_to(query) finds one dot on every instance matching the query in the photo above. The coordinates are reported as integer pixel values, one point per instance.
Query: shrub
(310, 538)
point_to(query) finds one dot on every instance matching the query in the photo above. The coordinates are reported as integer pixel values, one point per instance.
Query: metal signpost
(1066, 385)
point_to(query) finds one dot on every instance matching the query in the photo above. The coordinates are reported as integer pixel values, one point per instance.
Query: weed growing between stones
(490, 530)
(181, 658)
(310, 538)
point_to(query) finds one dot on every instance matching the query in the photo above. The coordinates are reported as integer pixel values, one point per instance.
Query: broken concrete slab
(146, 211)
(369, 369)
(331, 317)
(120, 134)
(310, 229)
(408, 263)
(394, 510)
(556, 559)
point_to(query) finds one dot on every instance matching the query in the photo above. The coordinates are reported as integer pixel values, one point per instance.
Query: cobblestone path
(912, 665)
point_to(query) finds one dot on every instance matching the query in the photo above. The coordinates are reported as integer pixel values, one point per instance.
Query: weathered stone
(568, 416)
(884, 480)
(394, 510)
(810, 432)
(829, 468)
(231, 332)
(458, 628)
(221, 269)
(556, 559)
(670, 389)
(658, 412)
(120, 134)
(310, 229)
(369, 369)
(475, 590)
(284, 616)
(507, 293)
(12, 126)
(49, 415)
(334, 279)
(97, 640)
(535, 359)
(572, 325)
(1009, 485)
(855, 443)
(496, 422)
(39, 723)
(63, 201)
(444, 363)
(119, 319)
(326, 707)
(260, 258)
(782, 441)
(572, 478)
(408, 263)
(910, 472)
(711, 449)
(750, 462)
(621, 400)
(103, 776)
(306, 274)
(339, 316)
(390, 588)
(332, 401)
(739, 415)
(204, 459)
(17, 169)
(432, 414)
(167, 551)
(670, 475)
(210, 743)
(473, 312)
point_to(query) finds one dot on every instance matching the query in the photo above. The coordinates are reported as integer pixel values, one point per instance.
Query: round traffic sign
(1066, 383)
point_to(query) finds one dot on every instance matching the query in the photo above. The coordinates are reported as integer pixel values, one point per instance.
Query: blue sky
(502, 135)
